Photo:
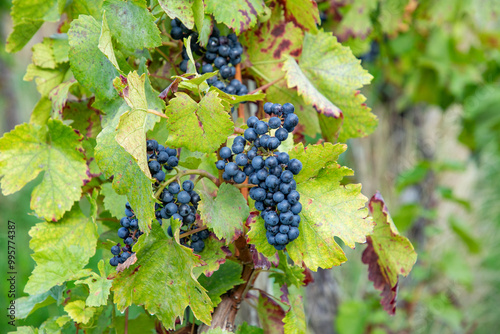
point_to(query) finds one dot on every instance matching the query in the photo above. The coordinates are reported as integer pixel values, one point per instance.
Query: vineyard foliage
(109, 80)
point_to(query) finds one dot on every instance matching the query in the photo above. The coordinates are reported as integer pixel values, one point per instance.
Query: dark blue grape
(171, 151)
(176, 33)
(128, 241)
(274, 122)
(291, 121)
(278, 196)
(283, 206)
(252, 121)
(207, 68)
(288, 108)
(240, 177)
(293, 233)
(160, 176)
(183, 66)
(231, 169)
(262, 174)
(224, 50)
(198, 246)
(259, 194)
(258, 162)
(174, 188)
(273, 143)
(188, 185)
(125, 222)
(183, 197)
(285, 188)
(129, 213)
(241, 159)
(226, 176)
(173, 161)
(259, 205)
(293, 197)
(284, 229)
(248, 170)
(286, 218)
(296, 208)
(210, 56)
(283, 158)
(281, 134)
(154, 166)
(134, 224)
(171, 209)
(250, 134)
(277, 109)
(225, 72)
(252, 153)
(115, 250)
(184, 210)
(114, 261)
(169, 232)
(264, 139)
(281, 239)
(261, 127)
(268, 107)
(272, 182)
(295, 166)
(162, 157)
(167, 197)
(151, 145)
(296, 221)
(123, 232)
(219, 62)
(225, 153)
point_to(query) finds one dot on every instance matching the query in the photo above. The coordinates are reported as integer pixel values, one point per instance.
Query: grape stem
(187, 234)
(181, 173)
(266, 86)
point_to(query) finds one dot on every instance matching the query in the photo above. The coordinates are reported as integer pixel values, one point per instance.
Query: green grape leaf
(303, 13)
(132, 25)
(89, 65)
(27, 18)
(113, 202)
(46, 79)
(132, 128)
(79, 312)
(43, 55)
(173, 287)
(287, 274)
(330, 83)
(214, 254)
(181, 9)
(54, 325)
(27, 305)
(54, 149)
(99, 287)
(295, 318)
(239, 20)
(315, 157)
(83, 117)
(61, 250)
(200, 126)
(388, 254)
(329, 210)
(105, 42)
(245, 328)
(226, 213)
(128, 178)
(356, 21)
(25, 330)
(223, 280)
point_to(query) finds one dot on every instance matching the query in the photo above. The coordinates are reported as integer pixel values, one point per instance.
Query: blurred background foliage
(435, 157)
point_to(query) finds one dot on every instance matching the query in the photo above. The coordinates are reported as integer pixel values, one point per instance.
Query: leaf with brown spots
(303, 13)
(241, 15)
(162, 279)
(387, 255)
(356, 20)
(328, 77)
(181, 9)
(274, 40)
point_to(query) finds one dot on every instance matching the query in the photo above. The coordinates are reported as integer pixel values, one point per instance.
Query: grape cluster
(254, 156)
(160, 158)
(129, 232)
(222, 53)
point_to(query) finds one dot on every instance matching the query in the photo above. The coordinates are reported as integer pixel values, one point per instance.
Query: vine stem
(266, 86)
(181, 173)
(125, 330)
(241, 107)
(154, 112)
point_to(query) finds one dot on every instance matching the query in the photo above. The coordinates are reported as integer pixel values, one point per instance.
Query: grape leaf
(303, 13)
(287, 274)
(89, 65)
(113, 160)
(387, 254)
(295, 318)
(270, 314)
(27, 18)
(329, 210)
(25, 330)
(113, 202)
(54, 149)
(27, 305)
(214, 254)
(84, 118)
(226, 213)
(239, 20)
(105, 42)
(330, 83)
(79, 312)
(99, 287)
(356, 21)
(200, 126)
(315, 157)
(43, 55)
(181, 9)
(217, 330)
(61, 250)
(223, 280)
(275, 40)
(46, 79)
(59, 95)
(162, 279)
(132, 25)
(132, 128)
(245, 328)
(54, 325)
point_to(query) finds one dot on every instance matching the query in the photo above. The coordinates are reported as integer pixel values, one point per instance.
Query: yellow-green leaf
(79, 312)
